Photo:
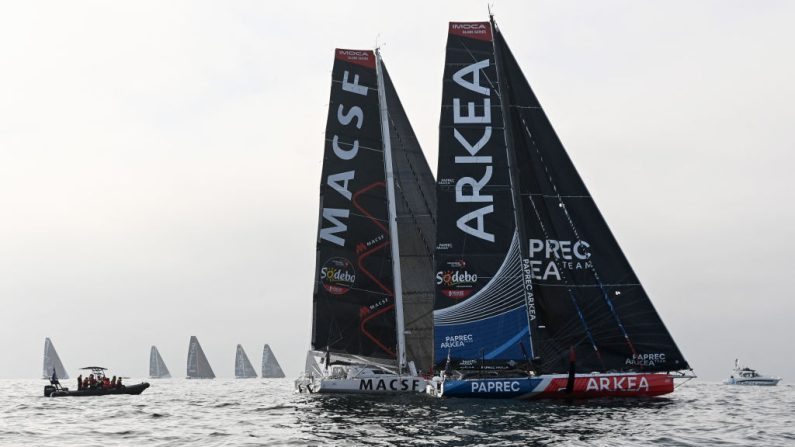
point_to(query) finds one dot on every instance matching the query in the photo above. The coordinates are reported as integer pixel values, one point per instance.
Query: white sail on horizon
(52, 362)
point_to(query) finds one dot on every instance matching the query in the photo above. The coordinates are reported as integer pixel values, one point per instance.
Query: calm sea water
(267, 412)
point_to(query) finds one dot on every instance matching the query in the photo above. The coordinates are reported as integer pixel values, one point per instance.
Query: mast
(393, 236)
(511, 158)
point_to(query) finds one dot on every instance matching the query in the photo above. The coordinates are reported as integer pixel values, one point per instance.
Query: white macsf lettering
(354, 86)
(342, 153)
(346, 118)
(333, 215)
(339, 182)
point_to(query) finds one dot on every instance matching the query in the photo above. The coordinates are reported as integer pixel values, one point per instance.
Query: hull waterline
(388, 384)
(554, 386)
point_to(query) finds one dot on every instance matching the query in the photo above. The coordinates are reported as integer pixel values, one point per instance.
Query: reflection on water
(267, 412)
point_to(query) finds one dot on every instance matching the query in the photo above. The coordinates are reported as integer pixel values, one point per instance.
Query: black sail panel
(586, 292)
(415, 205)
(354, 310)
(480, 316)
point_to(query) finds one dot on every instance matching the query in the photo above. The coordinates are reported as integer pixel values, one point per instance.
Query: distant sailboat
(243, 367)
(157, 368)
(198, 366)
(52, 361)
(270, 366)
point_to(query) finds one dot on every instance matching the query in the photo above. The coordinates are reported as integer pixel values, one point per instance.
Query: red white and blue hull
(553, 386)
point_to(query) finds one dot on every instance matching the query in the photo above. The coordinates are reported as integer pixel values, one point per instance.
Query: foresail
(270, 366)
(586, 293)
(243, 367)
(480, 317)
(415, 202)
(52, 362)
(354, 310)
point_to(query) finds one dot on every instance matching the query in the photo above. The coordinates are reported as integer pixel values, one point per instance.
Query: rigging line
(577, 235)
(568, 289)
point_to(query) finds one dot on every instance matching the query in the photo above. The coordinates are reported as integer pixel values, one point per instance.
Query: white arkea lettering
(471, 117)
(617, 383)
(474, 70)
(344, 177)
(354, 86)
(478, 231)
(462, 194)
(476, 186)
(329, 234)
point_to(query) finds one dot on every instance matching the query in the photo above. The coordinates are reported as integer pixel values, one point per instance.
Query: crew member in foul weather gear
(113, 382)
(92, 382)
(118, 383)
(79, 382)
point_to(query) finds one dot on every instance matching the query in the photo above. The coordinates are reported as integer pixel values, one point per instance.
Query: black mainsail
(270, 366)
(481, 315)
(370, 155)
(521, 241)
(157, 367)
(198, 365)
(52, 362)
(243, 367)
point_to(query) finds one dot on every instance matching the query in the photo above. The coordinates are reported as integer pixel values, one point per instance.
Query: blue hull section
(486, 338)
(505, 388)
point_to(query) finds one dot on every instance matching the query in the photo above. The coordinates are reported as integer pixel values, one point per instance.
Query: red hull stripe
(617, 385)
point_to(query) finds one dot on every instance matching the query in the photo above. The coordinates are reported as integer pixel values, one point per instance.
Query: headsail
(157, 367)
(415, 202)
(270, 366)
(243, 367)
(52, 362)
(198, 366)
(586, 292)
(481, 315)
(354, 308)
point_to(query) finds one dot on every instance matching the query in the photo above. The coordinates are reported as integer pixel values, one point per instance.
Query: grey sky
(159, 164)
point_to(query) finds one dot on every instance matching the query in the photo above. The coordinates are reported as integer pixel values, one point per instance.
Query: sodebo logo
(450, 278)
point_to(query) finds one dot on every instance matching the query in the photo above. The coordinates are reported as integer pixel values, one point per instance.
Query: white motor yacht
(748, 376)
